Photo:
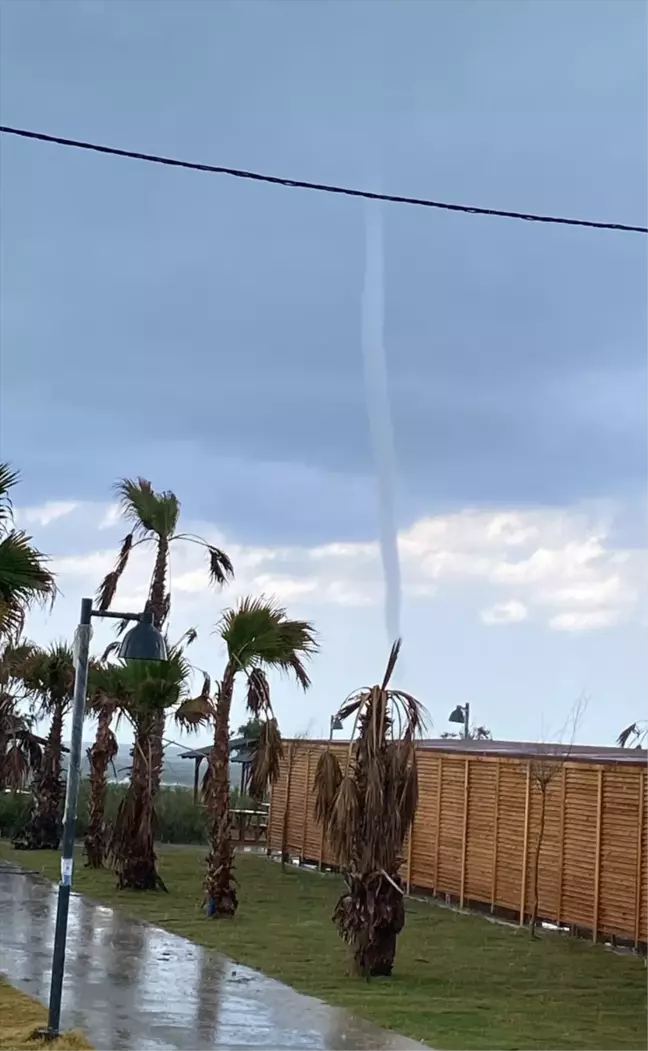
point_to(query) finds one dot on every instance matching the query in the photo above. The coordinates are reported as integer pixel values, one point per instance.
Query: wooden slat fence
(475, 835)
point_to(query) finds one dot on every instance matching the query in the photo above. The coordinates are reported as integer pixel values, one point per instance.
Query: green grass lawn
(20, 1016)
(460, 982)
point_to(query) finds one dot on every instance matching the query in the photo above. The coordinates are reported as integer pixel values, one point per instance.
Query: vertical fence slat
(597, 858)
(269, 832)
(437, 838)
(305, 824)
(464, 836)
(525, 847)
(410, 847)
(284, 833)
(495, 835)
(561, 861)
(640, 847)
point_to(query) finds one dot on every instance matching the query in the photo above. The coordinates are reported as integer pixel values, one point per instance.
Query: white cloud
(555, 566)
(46, 513)
(505, 613)
(574, 621)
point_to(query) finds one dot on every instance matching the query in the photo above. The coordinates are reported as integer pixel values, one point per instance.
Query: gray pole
(467, 721)
(82, 645)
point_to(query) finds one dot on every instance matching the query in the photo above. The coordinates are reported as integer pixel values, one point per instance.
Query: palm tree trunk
(219, 883)
(370, 916)
(132, 843)
(158, 609)
(100, 755)
(44, 829)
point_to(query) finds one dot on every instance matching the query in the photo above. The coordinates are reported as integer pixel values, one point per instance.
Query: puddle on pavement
(128, 985)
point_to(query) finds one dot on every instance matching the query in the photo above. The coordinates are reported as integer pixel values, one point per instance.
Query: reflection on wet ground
(129, 985)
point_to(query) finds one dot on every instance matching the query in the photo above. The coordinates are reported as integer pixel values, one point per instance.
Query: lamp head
(144, 642)
(458, 715)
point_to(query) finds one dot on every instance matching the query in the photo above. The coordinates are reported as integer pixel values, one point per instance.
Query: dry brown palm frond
(328, 776)
(111, 648)
(108, 586)
(344, 819)
(196, 711)
(266, 764)
(258, 692)
(391, 663)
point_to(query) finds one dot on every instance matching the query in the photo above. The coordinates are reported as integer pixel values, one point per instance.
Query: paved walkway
(132, 986)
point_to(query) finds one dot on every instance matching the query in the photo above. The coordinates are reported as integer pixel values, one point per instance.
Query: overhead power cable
(275, 180)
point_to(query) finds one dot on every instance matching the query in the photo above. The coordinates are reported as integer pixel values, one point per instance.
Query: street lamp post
(143, 642)
(461, 714)
(335, 723)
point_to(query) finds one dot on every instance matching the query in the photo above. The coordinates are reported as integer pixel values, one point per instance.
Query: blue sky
(206, 333)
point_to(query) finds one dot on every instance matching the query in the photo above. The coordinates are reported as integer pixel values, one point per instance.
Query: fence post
(561, 863)
(495, 833)
(597, 860)
(305, 825)
(438, 826)
(284, 833)
(269, 828)
(640, 845)
(410, 842)
(464, 838)
(525, 848)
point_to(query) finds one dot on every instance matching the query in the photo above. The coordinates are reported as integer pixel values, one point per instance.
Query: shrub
(178, 819)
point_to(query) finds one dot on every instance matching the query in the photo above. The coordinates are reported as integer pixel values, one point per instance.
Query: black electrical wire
(275, 180)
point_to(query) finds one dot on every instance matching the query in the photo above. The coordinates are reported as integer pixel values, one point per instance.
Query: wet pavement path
(132, 986)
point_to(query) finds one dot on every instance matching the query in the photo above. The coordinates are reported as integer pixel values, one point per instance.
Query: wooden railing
(476, 830)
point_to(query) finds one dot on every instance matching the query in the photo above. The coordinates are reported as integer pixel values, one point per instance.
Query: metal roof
(585, 753)
(241, 750)
(533, 750)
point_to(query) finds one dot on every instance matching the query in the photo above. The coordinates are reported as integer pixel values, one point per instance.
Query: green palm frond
(151, 513)
(24, 580)
(48, 675)
(8, 478)
(259, 632)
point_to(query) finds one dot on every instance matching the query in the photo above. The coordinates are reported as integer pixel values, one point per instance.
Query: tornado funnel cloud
(378, 411)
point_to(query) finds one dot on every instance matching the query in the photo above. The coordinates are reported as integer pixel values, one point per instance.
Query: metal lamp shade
(457, 716)
(143, 643)
(336, 723)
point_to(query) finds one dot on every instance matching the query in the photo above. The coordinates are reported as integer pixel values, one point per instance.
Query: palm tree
(142, 690)
(100, 756)
(24, 577)
(367, 806)
(258, 635)
(47, 676)
(155, 520)
(20, 749)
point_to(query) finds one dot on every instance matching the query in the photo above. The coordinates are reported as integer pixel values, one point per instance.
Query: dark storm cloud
(227, 316)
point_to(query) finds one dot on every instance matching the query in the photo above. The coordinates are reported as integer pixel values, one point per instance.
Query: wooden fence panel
(578, 897)
(279, 803)
(312, 833)
(620, 844)
(545, 844)
(297, 803)
(451, 826)
(426, 826)
(641, 931)
(480, 830)
(476, 829)
(510, 834)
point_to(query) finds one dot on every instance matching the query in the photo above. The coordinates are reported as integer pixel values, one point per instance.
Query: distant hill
(176, 771)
